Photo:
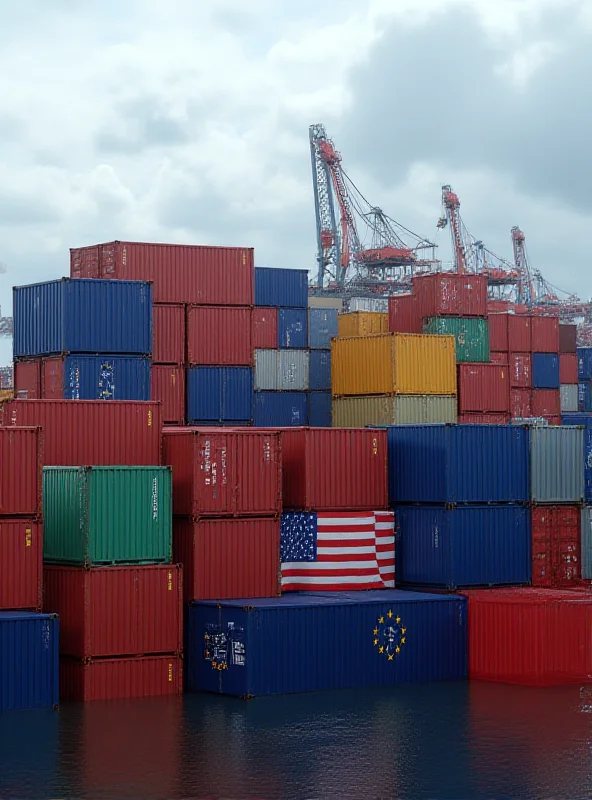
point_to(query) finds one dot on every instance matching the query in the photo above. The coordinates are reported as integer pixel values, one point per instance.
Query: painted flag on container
(337, 551)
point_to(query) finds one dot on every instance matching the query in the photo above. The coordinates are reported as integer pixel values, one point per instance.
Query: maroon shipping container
(546, 403)
(568, 338)
(498, 306)
(499, 358)
(483, 387)
(219, 276)
(52, 378)
(225, 558)
(264, 328)
(21, 564)
(520, 403)
(219, 336)
(520, 370)
(568, 368)
(519, 333)
(168, 333)
(403, 314)
(78, 432)
(120, 678)
(168, 388)
(484, 419)
(545, 334)
(21, 471)
(27, 379)
(556, 546)
(498, 332)
(448, 294)
(224, 472)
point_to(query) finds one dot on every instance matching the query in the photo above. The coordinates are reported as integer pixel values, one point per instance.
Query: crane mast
(461, 242)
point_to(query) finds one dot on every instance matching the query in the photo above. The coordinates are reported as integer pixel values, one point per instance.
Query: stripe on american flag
(385, 546)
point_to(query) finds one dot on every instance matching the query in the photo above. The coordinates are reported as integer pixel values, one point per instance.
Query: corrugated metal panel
(545, 403)
(102, 377)
(219, 394)
(584, 420)
(168, 321)
(520, 403)
(358, 412)
(372, 304)
(21, 462)
(556, 546)
(483, 387)
(519, 333)
(520, 370)
(458, 464)
(403, 314)
(325, 302)
(545, 371)
(282, 370)
(483, 419)
(116, 611)
(498, 332)
(281, 287)
(545, 334)
(129, 432)
(344, 636)
(21, 563)
(27, 379)
(264, 328)
(281, 409)
(499, 358)
(292, 328)
(219, 336)
(361, 323)
(471, 336)
(168, 388)
(228, 558)
(568, 338)
(584, 363)
(107, 515)
(179, 273)
(568, 368)
(320, 370)
(587, 543)
(82, 317)
(446, 293)
(120, 678)
(557, 464)
(319, 410)
(425, 364)
(463, 546)
(322, 327)
(28, 661)
(568, 395)
(585, 396)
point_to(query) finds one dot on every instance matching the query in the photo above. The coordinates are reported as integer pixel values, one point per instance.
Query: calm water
(440, 741)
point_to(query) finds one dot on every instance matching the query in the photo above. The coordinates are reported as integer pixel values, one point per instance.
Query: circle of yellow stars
(376, 640)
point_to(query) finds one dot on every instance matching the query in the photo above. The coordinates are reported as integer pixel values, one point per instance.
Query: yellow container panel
(363, 365)
(425, 364)
(362, 323)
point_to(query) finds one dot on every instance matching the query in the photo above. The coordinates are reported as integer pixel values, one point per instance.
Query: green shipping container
(107, 515)
(470, 334)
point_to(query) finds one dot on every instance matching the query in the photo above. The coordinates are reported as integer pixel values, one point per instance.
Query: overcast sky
(187, 121)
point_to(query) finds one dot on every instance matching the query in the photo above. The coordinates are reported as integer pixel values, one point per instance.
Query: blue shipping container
(320, 409)
(545, 371)
(584, 363)
(322, 327)
(585, 396)
(292, 328)
(281, 409)
(458, 463)
(82, 316)
(463, 546)
(314, 642)
(281, 287)
(102, 377)
(586, 421)
(29, 660)
(219, 395)
(319, 371)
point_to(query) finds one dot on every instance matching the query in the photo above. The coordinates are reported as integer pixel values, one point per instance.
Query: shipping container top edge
(96, 403)
(284, 269)
(527, 595)
(22, 615)
(160, 244)
(104, 467)
(93, 281)
(299, 599)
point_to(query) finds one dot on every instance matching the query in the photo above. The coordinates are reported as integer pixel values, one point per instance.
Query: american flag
(337, 551)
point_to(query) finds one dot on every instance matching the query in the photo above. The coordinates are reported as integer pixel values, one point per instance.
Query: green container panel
(470, 334)
(107, 515)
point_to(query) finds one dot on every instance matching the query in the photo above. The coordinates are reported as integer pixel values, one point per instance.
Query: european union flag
(298, 537)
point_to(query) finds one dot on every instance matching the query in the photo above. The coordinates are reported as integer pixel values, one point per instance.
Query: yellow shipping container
(362, 323)
(393, 363)
(6, 394)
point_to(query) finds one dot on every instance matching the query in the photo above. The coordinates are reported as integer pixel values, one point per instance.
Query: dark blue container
(585, 396)
(320, 411)
(313, 642)
(219, 395)
(545, 371)
(458, 463)
(586, 421)
(29, 660)
(322, 327)
(98, 378)
(319, 371)
(584, 363)
(281, 409)
(281, 287)
(463, 546)
(82, 316)
(292, 328)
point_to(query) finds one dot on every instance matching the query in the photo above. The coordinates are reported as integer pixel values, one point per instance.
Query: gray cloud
(141, 124)
(21, 210)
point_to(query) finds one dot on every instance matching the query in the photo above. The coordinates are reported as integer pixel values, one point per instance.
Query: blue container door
(322, 327)
(320, 409)
(219, 394)
(319, 374)
(292, 328)
(586, 421)
(38, 313)
(545, 371)
(29, 661)
(584, 363)
(106, 378)
(585, 396)
(281, 409)
(281, 287)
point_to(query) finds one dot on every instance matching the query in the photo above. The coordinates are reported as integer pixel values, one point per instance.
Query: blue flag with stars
(298, 537)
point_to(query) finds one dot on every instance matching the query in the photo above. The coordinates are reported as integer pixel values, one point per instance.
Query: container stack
(568, 369)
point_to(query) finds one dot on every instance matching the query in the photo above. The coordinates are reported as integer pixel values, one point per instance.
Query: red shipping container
(498, 332)
(334, 469)
(568, 338)
(27, 379)
(225, 558)
(449, 294)
(568, 368)
(519, 333)
(219, 336)
(403, 314)
(120, 678)
(168, 333)
(546, 403)
(498, 306)
(545, 334)
(520, 370)
(168, 388)
(483, 387)
(520, 403)
(499, 358)
(264, 328)
(224, 472)
(79, 432)
(21, 471)
(534, 637)
(484, 419)
(116, 611)
(21, 564)
(220, 276)
(556, 546)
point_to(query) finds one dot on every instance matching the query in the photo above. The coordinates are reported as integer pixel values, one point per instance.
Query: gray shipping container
(557, 464)
(569, 397)
(281, 370)
(587, 543)
(357, 412)
(379, 304)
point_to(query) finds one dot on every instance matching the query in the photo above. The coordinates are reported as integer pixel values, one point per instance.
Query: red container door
(498, 332)
(258, 473)
(27, 379)
(168, 388)
(545, 334)
(520, 403)
(168, 325)
(446, 293)
(404, 316)
(519, 333)
(21, 465)
(483, 388)
(264, 328)
(120, 678)
(568, 339)
(499, 358)
(520, 370)
(84, 262)
(52, 378)
(556, 546)
(546, 403)
(219, 336)
(568, 368)
(21, 564)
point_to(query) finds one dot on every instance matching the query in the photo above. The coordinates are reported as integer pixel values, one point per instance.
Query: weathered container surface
(585, 396)
(458, 464)
(519, 333)
(498, 306)
(82, 317)
(471, 336)
(100, 377)
(281, 409)
(264, 328)
(520, 370)
(545, 371)
(292, 328)
(27, 379)
(557, 464)
(568, 339)
(179, 273)
(282, 370)
(374, 304)
(320, 371)
(587, 543)
(130, 432)
(320, 410)
(483, 419)
(29, 658)
(358, 412)
(483, 387)
(168, 322)
(545, 403)
(21, 463)
(393, 363)
(107, 515)
(521, 403)
(534, 637)
(463, 546)
(322, 327)
(568, 396)
(21, 564)
(449, 294)
(403, 314)
(556, 546)
(499, 358)
(224, 558)
(317, 642)
(281, 287)
(219, 335)
(545, 334)
(325, 302)
(116, 611)
(220, 472)
(498, 332)
(361, 323)
(168, 388)
(584, 421)
(584, 355)
(120, 678)
(219, 394)
(568, 368)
